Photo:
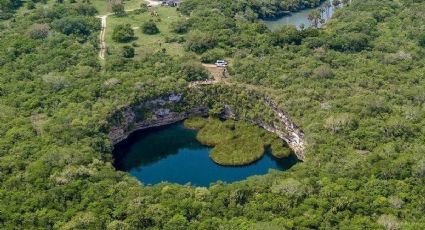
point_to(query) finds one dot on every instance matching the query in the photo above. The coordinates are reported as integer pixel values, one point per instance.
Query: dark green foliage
(211, 56)
(264, 9)
(150, 27)
(349, 42)
(421, 39)
(76, 25)
(180, 26)
(9, 5)
(30, 5)
(355, 87)
(287, 35)
(118, 9)
(127, 51)
(123, 33)
(200, 42)
(192, 71)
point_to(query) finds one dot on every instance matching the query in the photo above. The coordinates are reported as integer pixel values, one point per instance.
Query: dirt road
(102, 43)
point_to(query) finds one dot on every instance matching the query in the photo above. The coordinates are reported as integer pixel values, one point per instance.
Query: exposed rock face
(161, 113)
(293, 135)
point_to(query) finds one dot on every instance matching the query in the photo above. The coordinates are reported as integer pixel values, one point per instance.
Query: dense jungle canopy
(356, 87)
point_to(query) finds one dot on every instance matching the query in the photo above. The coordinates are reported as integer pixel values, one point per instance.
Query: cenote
(172, 154)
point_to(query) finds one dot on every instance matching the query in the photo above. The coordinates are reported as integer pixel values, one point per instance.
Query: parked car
(221, 63)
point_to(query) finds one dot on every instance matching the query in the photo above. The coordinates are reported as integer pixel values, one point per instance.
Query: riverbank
(315, 16)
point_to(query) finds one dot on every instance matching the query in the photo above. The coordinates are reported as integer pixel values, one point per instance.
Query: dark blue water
(172, 153)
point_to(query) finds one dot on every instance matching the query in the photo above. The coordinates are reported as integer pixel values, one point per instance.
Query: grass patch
(103, 7)
(195, 122)
(279, 148)
(146, 44)
(236, 142)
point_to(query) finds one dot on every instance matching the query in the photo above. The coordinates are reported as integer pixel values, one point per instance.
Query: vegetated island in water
(236, 143)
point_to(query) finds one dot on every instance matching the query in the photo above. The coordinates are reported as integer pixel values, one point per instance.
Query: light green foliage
(211, 56)
(235, 142)
(195, 122)
(147, 44)
(355, 87)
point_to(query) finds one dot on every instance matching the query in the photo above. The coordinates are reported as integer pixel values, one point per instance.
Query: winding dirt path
(102, 43)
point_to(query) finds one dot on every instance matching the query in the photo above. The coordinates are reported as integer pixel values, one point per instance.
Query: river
(299, 19)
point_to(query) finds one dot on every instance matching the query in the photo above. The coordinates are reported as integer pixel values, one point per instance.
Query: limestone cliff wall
(161, 112)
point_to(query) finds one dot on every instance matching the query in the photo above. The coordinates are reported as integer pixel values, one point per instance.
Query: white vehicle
(221, 63)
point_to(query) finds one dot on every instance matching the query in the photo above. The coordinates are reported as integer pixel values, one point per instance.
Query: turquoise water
(172, 153)
(299, 18)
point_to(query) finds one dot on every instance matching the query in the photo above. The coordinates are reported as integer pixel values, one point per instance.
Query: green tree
(76, 25)
(118, 9)
(421, 39)
(180, 26)
(200, 42)
(127, 51)
(123, 33)
(213, 55)
(150, 27)
(39, 31)
(192, 71)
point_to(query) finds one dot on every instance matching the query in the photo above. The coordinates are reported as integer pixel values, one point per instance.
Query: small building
(172, 3)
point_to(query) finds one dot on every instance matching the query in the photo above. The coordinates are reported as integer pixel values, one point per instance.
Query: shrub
(286, 36)
(143, 7)
(323, 72)
(123, 33)
(30, 5)
(80, 25)
(389, 222)
(349, 42)
(193, 72)
(180, 26)
(39, 31)
(212, 55)
(200, 42)
(337, 123)
(54, 82)
(150, 27)
(118, 9)
(127, 51)
(421, 39)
